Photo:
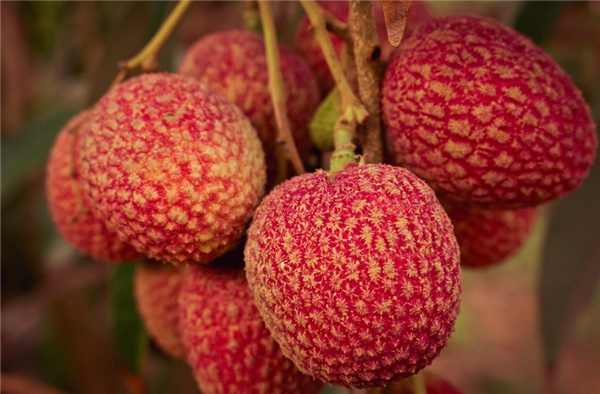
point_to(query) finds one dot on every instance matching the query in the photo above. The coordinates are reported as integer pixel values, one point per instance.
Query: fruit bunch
(350, 276)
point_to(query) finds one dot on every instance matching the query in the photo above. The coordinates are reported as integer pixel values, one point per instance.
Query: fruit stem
(277, 88)
(343, 133)
(367, 53)
(352, 109)
(146, 59)
(252, 16)
(418, 384)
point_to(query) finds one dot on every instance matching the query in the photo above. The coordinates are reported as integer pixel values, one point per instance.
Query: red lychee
(357, 277)
(434, 384)
(173, 166)
(306, 44)
(488, 237)
(235, 64)
(485, 116)
(157, 288)
(74, 217)
(229, 348)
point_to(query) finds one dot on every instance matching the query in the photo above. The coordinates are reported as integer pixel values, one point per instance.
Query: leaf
(570, 269)
(395, 14)
(536, 19)
(130, 336)
(27, 151)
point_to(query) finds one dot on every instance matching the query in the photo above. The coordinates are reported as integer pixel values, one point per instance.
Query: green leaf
(570, 270)
(536, 19)
(130, 336)
(27, 151)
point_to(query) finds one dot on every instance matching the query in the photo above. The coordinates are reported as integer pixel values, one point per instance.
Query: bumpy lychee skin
(74, 217)
(434, 384)
(485, 116)
(489, 237)
(173, 166)
(356, 277)
(306, 44)
(234, 63)
(229, 348)
(156, 288)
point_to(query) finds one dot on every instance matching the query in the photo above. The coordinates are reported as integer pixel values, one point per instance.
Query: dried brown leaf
(395, 14)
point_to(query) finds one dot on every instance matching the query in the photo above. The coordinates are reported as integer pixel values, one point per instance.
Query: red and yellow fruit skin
(434, 384)
(229, 348)
(235, 64)
(156, 289)
(357, 277)
(485, 116)
(174, 168)
(73, 215)
(306, 44)
(489, 237)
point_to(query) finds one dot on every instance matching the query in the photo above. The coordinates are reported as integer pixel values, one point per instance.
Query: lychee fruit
(74, 217)
(174, 167)
(306, 44)
(156, 288)
(357, 276)
(228, 346)
(234, 63)
(485, 116)
(434, 384)
(488, 237)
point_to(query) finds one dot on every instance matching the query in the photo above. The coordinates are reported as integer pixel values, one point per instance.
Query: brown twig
(277, 88)
(17, 384)
(338, 28)
(367, 52)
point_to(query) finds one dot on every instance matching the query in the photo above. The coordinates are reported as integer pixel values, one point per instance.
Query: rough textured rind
(229, 348)
(173, 167)
(74, 217)
(306, 44)
(485, 116)
(434, 384)
(488, 237)
(358, 277)
(156, 289)
(235, 64)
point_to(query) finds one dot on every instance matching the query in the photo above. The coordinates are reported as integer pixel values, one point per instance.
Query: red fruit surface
(307, 45)
(356, 277)
(229, 348)
(173, 167)
(488, 237)
(235, 64)
(74, 217)
(485, 116)
(434, 384)
(156, 287)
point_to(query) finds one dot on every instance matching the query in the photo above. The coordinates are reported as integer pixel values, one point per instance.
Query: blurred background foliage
(529, 322)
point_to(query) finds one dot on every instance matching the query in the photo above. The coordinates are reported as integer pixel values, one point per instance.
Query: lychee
(488, 237)
(434, 384)
(74, 217)
(485, 116)
(235, 64)
(229, 348)
(306, 44)
(357, 277)
(156, 288)
(174, 168)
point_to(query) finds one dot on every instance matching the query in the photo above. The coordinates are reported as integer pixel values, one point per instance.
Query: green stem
(352, 108)
(343, 134)
(277, 88)
(418, 384)
(146, 59)
(252, 16)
